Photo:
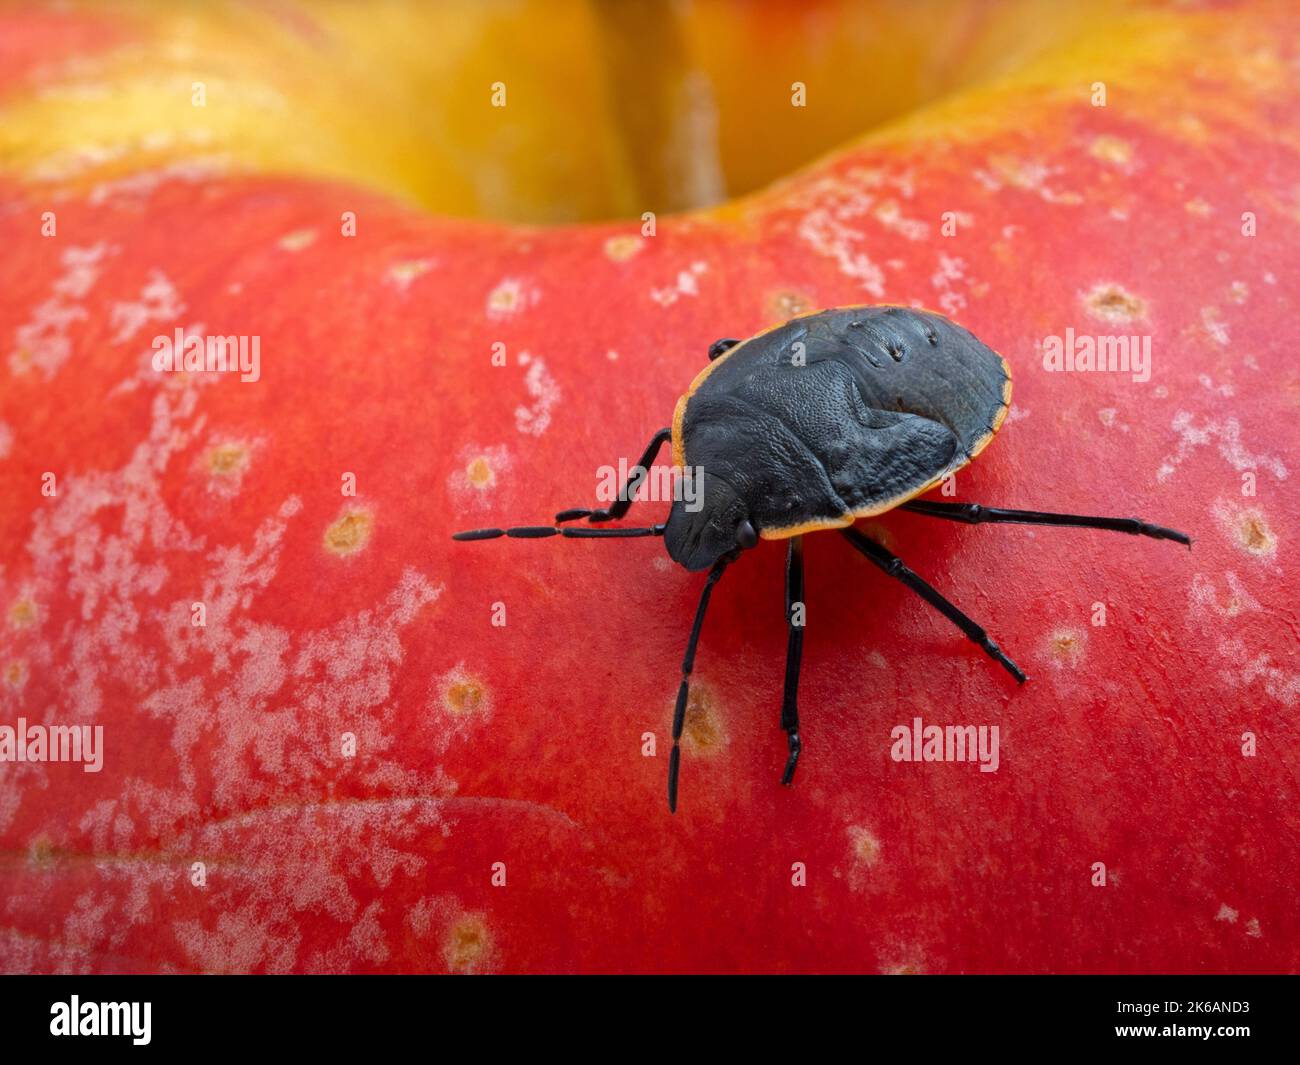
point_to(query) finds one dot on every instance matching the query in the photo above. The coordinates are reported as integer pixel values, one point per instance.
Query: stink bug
(833, 416)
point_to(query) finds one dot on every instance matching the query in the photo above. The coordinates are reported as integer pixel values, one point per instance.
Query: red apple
(351, 764)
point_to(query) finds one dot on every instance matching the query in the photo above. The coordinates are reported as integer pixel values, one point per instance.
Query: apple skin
(522, 744)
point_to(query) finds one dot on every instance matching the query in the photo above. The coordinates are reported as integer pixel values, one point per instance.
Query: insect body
(830, 417)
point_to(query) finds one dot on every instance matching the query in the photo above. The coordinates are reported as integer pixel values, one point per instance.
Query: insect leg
(793, 652)
(721, 347)
(894, 566)
(625, 493)
(683, 692)
(975, 514)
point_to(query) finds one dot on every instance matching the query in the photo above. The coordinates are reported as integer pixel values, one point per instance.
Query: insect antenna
(540, 532)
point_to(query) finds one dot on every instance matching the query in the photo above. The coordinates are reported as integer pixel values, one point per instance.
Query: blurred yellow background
(611, 108)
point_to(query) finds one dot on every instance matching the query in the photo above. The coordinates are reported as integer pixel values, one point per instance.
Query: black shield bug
(831, 417)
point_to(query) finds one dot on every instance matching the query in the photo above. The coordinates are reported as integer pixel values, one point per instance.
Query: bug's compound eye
(746, 537)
